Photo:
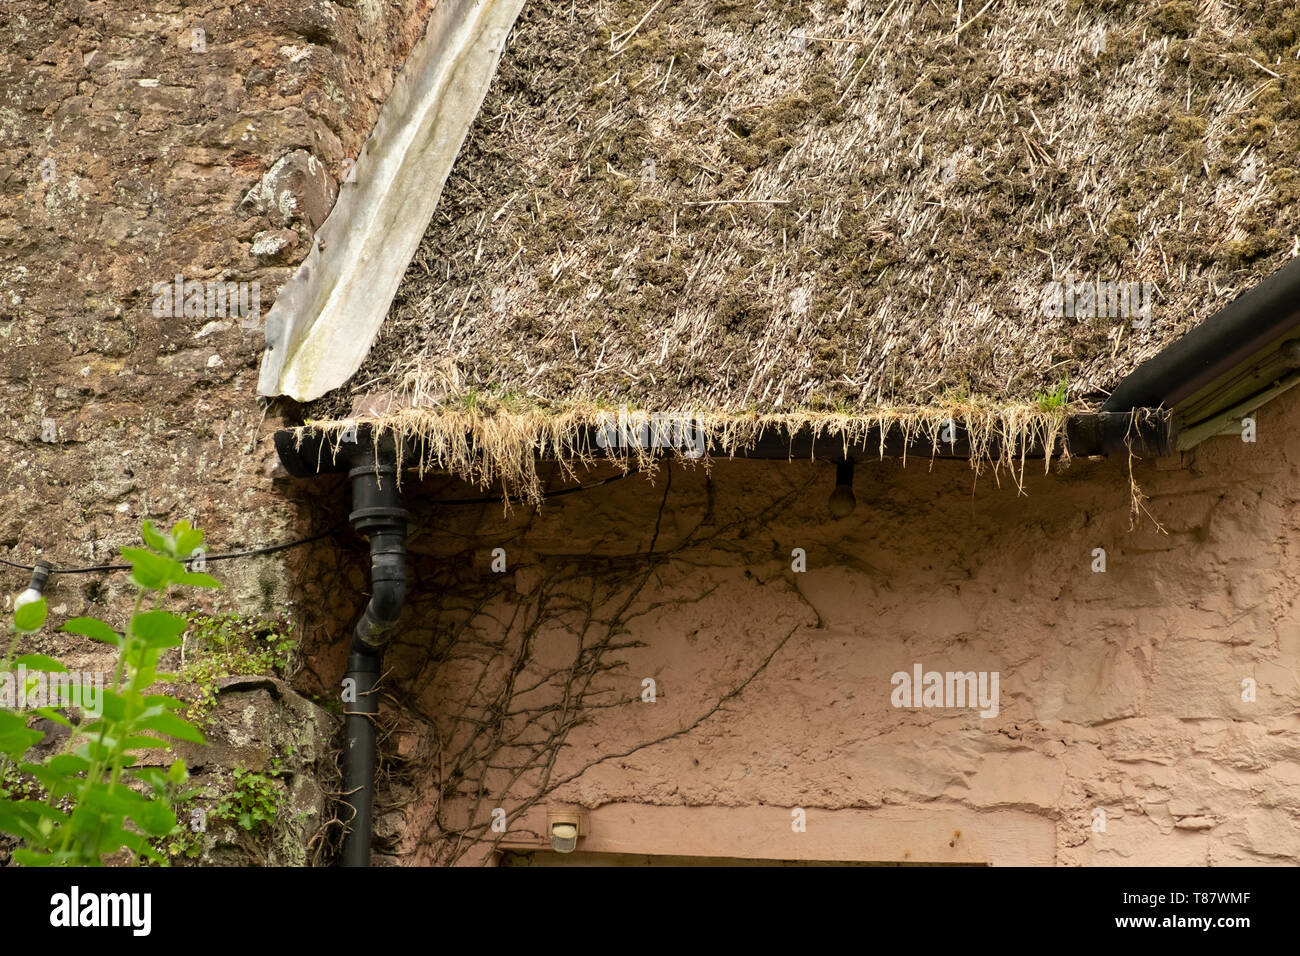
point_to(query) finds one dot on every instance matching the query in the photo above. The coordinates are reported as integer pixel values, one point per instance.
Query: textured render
(1120, 692)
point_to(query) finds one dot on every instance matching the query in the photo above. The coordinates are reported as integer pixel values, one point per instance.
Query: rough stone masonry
(141, 140)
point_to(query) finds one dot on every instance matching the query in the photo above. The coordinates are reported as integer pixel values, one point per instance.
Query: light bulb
(35, 589)
(842, 502)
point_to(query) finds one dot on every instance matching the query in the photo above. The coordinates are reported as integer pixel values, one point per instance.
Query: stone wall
(141, 140)
(260, 726)
(1121, 692)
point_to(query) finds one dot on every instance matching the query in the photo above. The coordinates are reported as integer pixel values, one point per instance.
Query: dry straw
(838, 215)
(790, 207)
(504, 446)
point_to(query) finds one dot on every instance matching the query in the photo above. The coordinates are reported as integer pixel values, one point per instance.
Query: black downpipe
(378, 513)
(359, 757)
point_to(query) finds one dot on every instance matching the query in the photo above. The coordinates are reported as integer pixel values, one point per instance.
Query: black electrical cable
(271, 549)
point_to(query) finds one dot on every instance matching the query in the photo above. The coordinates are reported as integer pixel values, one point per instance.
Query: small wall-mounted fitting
(842, 501)
(36, 587)
(565, 826)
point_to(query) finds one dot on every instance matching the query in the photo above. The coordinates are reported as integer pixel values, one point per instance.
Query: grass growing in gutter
(484, 443)
(1056, 398)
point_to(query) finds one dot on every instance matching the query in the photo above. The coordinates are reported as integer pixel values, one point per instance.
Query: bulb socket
(842, 502)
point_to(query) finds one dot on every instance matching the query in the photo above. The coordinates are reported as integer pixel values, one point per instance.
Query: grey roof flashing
(327, 315)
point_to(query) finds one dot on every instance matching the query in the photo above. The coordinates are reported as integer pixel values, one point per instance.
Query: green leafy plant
(185, 840)
(230, 645)
(97, 801)
(253, 803)
(1056, 398)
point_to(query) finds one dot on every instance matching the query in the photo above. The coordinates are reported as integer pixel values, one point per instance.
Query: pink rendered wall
(1121, 693)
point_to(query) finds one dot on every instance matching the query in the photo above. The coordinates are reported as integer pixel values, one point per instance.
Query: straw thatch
(848, 207)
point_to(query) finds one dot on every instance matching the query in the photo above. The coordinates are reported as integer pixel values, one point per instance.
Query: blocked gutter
(1148, 433)
(327, 315)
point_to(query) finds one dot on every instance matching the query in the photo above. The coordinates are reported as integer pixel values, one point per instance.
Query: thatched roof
(780, 206)
(846, 207)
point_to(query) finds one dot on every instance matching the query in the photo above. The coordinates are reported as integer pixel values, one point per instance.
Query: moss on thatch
(839, 208)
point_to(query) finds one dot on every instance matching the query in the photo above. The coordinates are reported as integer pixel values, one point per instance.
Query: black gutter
(1247, 325)
(1087, 435)
(379, 513)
